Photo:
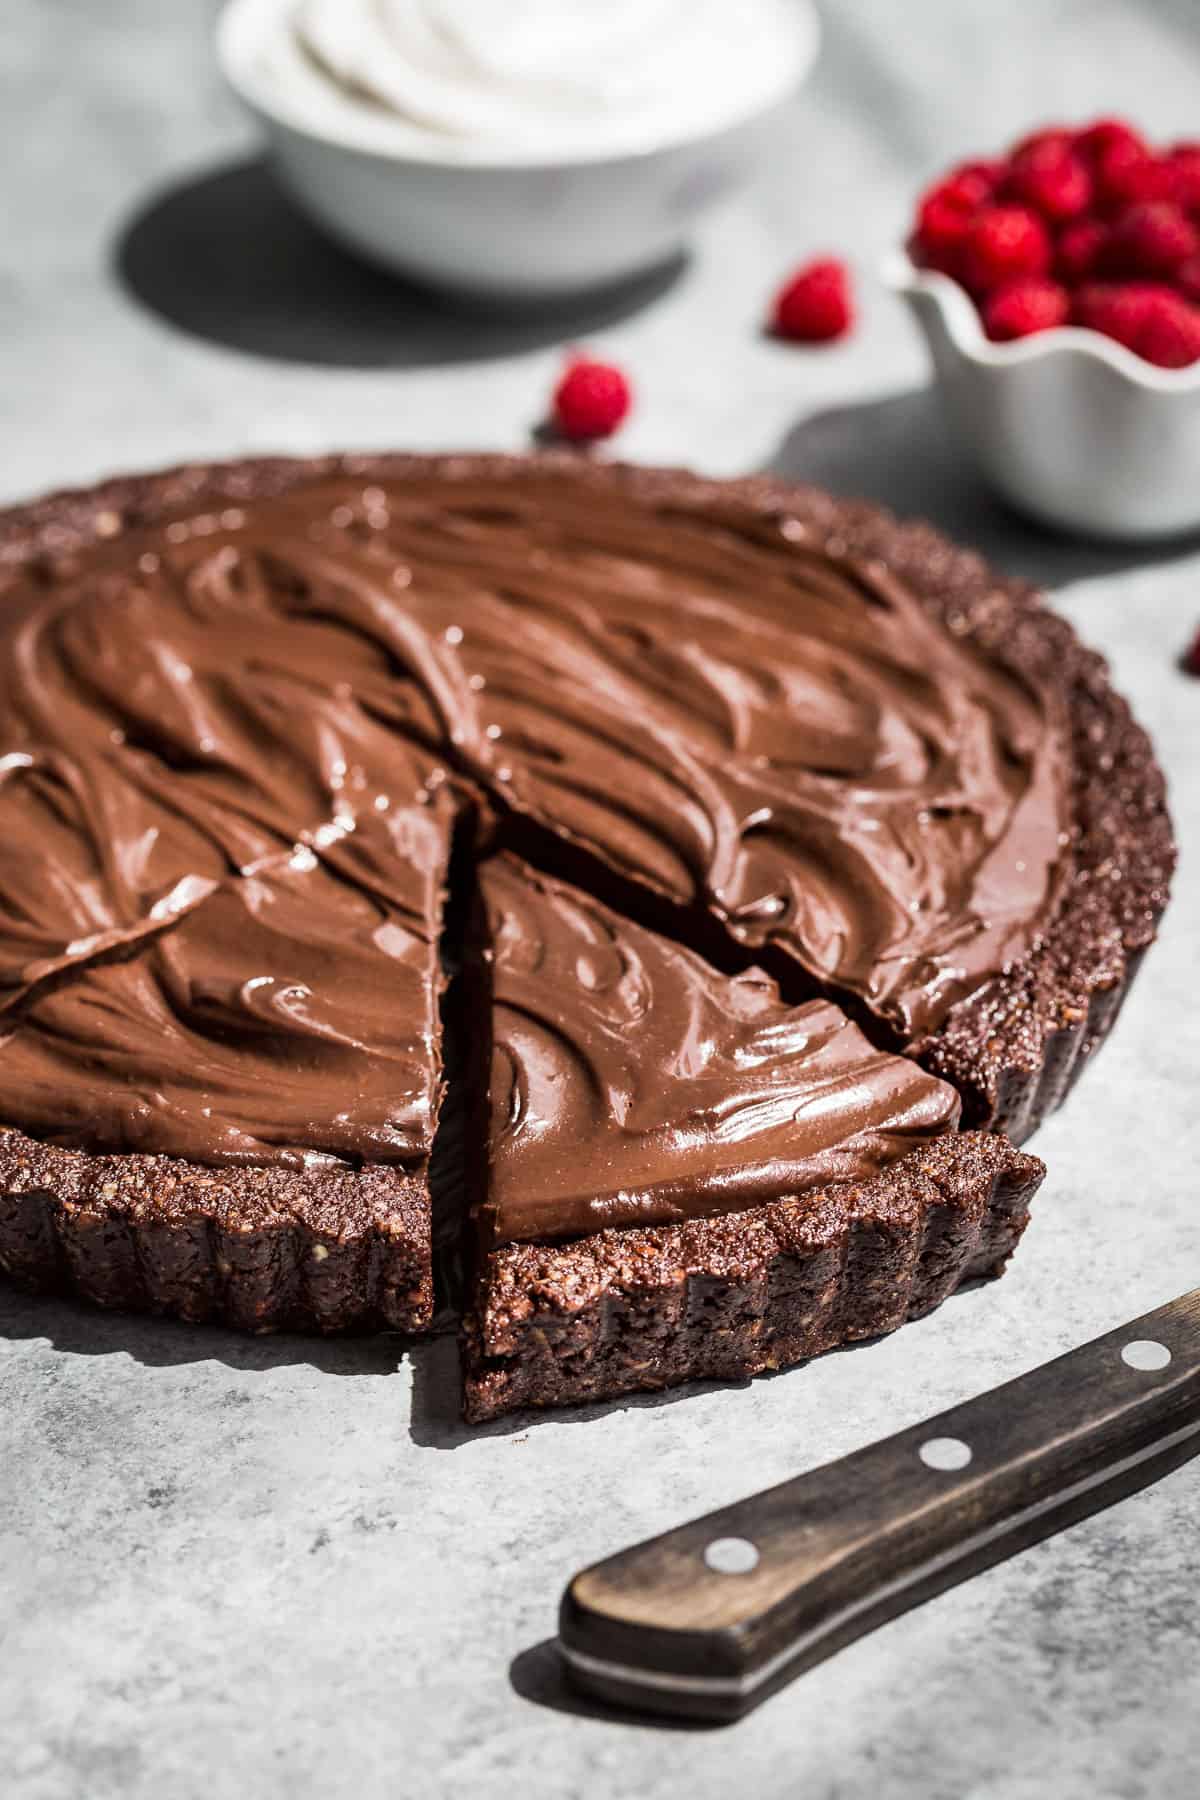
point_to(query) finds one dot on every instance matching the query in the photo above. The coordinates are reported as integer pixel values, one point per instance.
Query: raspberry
(1051, 141)
(941, 231)
(1080, 250)
(590, 400)
(1190, 660)
(816, 304)
(1126, 174)
(945, 211)
(1170, 334)
(977, 181)
(1048, 176)
(1153, 321)
(1183, 160)
(1005, 242)
(1023, 307)
(1187, 279)
(1151, 239)
(1117, 310)
(1088, 223)
(1095, 140)
(971, 183)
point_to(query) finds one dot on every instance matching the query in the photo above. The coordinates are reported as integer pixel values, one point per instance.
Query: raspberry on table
(1005, 242)
(816, 305)
(1191, 656)
(591, 400)
(1025, 307)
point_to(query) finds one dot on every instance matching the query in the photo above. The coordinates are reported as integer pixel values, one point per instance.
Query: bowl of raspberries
(1058, 287)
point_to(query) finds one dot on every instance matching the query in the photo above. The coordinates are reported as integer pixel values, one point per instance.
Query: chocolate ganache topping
(733, 714)
(223, 740)
(220, 899)
(631, 1085)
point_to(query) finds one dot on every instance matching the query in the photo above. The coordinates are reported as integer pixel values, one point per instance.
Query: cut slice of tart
(687, 1177)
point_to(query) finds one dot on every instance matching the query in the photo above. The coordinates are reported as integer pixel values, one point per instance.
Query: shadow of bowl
(898, 451)
(225, 256)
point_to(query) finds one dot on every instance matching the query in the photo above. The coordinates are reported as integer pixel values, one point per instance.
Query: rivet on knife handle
(710, 1618)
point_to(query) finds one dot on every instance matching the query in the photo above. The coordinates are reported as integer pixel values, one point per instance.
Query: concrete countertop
(275, 1567)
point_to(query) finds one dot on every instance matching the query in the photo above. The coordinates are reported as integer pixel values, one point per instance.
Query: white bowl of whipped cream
(518, 149)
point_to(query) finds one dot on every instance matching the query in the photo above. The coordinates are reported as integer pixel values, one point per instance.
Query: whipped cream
(535, 78)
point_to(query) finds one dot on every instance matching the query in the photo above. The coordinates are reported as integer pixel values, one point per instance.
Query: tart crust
(732, 1296)
(760, 1288)
(263, 1249)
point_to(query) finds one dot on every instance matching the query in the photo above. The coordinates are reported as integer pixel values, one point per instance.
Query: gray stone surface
(273, 1567)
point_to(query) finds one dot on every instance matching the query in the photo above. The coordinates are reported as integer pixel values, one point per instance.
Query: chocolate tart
(780, 729)
(220, 971)
(734, 1295)
(687, 1177)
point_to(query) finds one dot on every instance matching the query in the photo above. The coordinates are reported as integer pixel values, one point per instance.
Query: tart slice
(687, 1177)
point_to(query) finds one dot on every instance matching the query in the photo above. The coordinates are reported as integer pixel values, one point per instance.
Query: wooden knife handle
(709, 1619)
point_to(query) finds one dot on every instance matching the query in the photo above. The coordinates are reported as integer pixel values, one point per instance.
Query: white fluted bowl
(1067, 425)
(522, 230)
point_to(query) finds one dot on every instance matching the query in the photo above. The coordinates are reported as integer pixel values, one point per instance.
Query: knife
(707, 1620)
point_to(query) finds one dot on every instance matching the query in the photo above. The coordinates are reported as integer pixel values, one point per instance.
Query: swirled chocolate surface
(631, 1085)
(221, 749)
(220, 897)
(725, 708)
(735, 715)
